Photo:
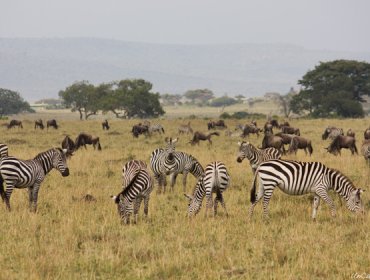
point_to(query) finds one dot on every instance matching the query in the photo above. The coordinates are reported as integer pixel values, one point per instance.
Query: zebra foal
(299, 178)
(256, 156)
(30, 174)
(137, 185)
(216, 179)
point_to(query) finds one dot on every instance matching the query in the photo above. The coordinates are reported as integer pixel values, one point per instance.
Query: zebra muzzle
(65, 173)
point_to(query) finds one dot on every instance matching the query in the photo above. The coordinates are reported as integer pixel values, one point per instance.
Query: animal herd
(270, 171)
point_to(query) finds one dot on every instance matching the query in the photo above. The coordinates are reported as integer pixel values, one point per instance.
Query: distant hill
(39, 68)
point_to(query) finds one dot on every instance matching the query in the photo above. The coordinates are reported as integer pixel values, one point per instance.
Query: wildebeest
(365, 150)
(351, 133)
(367, 134)
(290, 130)
(84, 139)
(185, 128)
(52, 123)
(199, 136)
(285, 123)
(331, 132)
(249, 128)
(68, 144)
(217, 124)
(272, 141)
(105, 125)
(339, 142)
(269, 125)
(14, 123)
(299, 142)
(39, 124)
(138, 129)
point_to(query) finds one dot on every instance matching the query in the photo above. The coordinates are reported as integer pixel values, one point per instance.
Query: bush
(242, 115)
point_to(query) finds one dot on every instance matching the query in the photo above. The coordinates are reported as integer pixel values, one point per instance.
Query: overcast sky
(314, 24)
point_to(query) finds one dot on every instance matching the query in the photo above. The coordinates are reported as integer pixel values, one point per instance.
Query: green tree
(171, 99)
(240, 98)
(223, 101)
(199, 95)
(12, 103)
(80, 96)
(334, 88)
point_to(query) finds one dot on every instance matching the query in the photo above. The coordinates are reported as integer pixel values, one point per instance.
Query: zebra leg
(215, 206)
(8, 193)
(137, 203)
(316, 203)
(184, 181)
(324, 195)
(223, 205)
(259, 195)
(266, 199)
(35, 193)
(209, 204)
(146, 206)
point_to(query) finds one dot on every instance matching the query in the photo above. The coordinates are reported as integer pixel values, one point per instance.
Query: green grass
(69, 238)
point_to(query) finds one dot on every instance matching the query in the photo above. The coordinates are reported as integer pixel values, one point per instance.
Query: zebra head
(170, 147)
(193, 205)
(354, 202)
(59, 161)
(245, 150)
(122, 208)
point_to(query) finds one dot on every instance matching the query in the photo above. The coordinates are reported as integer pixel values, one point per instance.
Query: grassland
(70, 238)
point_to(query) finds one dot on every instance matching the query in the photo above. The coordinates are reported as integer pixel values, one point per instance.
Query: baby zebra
(298, 178)
(216, 179)
(30, 174)
(256, 156)
(3, 150)
(137, 185)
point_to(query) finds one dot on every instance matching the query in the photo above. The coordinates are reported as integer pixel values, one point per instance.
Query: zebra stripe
(365, 150)
(256, 156)
(30, 173)
(298, 178)
(331, 132)
(137, 185)
(216, 179)
(3, 150)
(156, 127)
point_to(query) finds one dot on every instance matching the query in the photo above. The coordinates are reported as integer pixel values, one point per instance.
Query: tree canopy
(200, 96)
(334, 88)
(12, 103)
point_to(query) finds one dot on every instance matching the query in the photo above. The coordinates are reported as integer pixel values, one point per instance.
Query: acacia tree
(335, 87)
(199, 95)
(11, 102)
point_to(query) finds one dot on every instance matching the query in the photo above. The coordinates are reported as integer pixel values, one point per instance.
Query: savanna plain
(71, 238)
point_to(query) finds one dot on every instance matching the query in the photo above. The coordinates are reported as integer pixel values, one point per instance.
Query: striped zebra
(298, 178)
(30, 174)
(216, 179)
(365, 150)
(331, 132)
(137, 185)
(256, 156)
(3, 150)
(156, 127)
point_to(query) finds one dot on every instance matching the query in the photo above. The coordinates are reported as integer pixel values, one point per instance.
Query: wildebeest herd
(270, 171)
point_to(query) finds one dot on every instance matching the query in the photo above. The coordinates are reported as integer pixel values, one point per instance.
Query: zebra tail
(217, 185)
(253, 190)
(2, 192)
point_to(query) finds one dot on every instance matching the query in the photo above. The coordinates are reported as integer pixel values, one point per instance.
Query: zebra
(156, 128)
(256, 156)
(137, 185)
(331, 132)
(298, 178)
(185, 128)
(3, 150)
(365, 150)
(216, 179)
(30, 173)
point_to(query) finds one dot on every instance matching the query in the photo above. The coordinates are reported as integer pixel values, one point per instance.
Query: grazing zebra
(156, 128)
(3, 150)
(30, 173)
(185, 128)
(298, 178)
(255, 155)
(331, 132)
(137, 185)
(365, 150)
(216, 179)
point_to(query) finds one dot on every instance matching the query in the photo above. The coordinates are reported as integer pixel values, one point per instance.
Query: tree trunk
(80, 111)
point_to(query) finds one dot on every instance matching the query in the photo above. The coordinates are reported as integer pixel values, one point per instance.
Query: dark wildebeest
(218, 124)
(199, 136)
(272, 141)
(39, 124)
(365, 150)
(249, 128)
(269, 125)
(84, 139)
(290, 130)
(331, 132)
(185, 128)
(367, 134)
(138, 129)
(351, 133)
(340, 142)
(68, 144)
(105, 125)
(299, 142)
(285, 123)
(14, 123)
(52, 123)
(287, 138)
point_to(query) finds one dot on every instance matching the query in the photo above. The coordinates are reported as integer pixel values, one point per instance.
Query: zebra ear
(239, 143)
(175, 140)
(166, 139)
(64, 151)
(360, 191)
(113, 197)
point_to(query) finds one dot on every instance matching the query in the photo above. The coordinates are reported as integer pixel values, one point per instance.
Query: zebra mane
(342, 178)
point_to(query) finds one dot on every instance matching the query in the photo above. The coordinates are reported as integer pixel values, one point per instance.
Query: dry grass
(71, 238)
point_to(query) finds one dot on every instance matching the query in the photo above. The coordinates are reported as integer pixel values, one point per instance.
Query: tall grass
(70, 238)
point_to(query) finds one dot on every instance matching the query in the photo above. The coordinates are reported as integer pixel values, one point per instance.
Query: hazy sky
(315, 24)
